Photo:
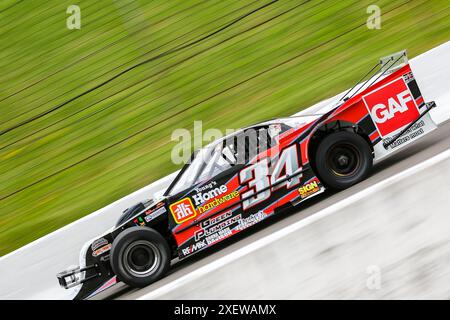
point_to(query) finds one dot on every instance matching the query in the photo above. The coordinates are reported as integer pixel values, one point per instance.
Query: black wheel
(140, 256)
(343, 159)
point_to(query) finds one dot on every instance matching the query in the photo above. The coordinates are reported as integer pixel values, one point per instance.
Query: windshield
(207, 163)
(190, 174)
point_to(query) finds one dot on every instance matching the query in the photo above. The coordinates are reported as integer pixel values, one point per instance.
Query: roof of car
(267, 123)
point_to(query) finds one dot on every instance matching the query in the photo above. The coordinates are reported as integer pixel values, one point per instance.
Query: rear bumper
(414, 131)
(429, 106)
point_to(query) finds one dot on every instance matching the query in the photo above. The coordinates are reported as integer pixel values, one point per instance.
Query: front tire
(140, 256)
(343, 159)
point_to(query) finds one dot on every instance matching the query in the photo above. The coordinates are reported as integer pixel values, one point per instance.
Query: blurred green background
(116, 139)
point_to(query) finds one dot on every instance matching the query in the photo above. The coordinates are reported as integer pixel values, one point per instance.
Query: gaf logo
(183, 210)
(391, 107)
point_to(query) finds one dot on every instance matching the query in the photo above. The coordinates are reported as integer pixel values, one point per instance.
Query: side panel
(393, 107)
(223, 207)
(385, 109)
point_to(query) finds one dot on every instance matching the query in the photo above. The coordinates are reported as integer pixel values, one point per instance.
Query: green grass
(257, 69)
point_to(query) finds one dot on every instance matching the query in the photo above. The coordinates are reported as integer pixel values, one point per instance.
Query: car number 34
(261, 183)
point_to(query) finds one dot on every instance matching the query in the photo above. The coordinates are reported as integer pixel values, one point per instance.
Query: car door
(212, 197)
(239, 184)
(275, 172)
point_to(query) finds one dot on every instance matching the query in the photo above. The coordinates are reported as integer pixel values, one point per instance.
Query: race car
(242, 179)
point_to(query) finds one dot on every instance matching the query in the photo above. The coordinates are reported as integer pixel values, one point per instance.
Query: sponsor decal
(183, 210)
(205, 187)
(217, 228)
(413, 132)
(408, 77)
(251, 220)
(391, 107)
(102, 250)
(218, 201)
(308, 189)
(152, 213)
(153, 209)
(202, 197)
(160, 204)
(215, 220)
(98, 243)
(218, 236)
(195, 247)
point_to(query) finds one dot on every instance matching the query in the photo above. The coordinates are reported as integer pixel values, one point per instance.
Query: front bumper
(77, 276)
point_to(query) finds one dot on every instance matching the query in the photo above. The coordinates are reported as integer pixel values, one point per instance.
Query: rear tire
(343, 159)
(140, 256)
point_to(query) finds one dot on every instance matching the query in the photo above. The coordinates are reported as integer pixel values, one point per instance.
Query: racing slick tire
(140, 256)
(343, 159)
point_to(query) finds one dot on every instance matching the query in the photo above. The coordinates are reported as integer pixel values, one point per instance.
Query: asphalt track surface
(425, 148)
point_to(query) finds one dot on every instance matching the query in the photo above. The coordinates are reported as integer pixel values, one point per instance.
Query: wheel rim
(141, 258)
(343, 159)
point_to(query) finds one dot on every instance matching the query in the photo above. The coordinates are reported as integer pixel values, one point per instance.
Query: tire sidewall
(127, 237)
(326, 175)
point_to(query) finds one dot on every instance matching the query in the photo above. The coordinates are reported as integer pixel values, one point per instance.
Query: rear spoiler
(384, 67)
(393, 62)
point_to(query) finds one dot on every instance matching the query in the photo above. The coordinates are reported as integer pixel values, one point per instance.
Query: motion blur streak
(159, 56)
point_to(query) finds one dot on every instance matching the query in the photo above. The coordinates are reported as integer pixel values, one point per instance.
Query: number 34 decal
(261, 184)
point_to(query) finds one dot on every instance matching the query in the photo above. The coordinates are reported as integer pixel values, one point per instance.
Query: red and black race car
(244, 178)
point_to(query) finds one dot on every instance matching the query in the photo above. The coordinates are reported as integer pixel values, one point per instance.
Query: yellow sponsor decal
(308, 189)
(218, 201)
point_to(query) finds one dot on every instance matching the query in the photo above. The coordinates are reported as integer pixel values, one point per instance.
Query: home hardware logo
(202, 197)
(217, 202)
(183, 210)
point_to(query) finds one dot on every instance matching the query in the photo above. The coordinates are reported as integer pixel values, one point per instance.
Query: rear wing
(393, 62)
(385, 66)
